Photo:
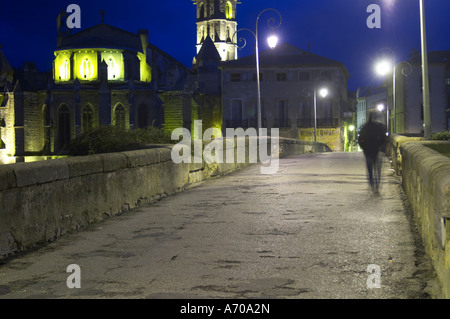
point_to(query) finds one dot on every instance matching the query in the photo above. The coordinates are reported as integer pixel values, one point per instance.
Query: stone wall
(42, 201)
(426, 181)
(393, 150)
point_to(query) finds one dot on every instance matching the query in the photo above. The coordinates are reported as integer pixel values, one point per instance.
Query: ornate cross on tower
(102, 13)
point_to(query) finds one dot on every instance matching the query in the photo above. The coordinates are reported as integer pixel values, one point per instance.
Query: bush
(108, 139)
(441, 136)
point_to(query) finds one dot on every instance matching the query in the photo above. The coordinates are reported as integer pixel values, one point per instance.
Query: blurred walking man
(372, 139)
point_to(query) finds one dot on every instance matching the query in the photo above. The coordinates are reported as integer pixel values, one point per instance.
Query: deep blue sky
(335, 28)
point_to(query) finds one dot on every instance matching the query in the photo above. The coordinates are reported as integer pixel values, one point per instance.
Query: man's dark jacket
(372, 137)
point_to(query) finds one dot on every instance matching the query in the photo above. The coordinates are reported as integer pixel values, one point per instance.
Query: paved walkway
(310, 231)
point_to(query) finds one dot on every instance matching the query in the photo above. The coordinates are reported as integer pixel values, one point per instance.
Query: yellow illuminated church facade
(100, 76)
(104, 75)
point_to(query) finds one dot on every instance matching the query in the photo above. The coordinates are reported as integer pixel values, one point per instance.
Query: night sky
(334, 28)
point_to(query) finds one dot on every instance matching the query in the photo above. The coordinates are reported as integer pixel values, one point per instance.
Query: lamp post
(384, 67)
(272, 41)
(426, 85)
(323, 92)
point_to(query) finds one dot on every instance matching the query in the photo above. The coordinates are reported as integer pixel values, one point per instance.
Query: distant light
(323, 92)
(273, 41)
(351, 128)
(383, 68)
(380, 107)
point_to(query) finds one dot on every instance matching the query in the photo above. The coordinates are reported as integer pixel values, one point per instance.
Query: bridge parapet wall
(426, 181)
(42, 201)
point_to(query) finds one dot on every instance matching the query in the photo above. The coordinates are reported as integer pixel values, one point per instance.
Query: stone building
(100, 76)
(409, 93)
(216, 25)
(7, 119)
(288, 78)
(368, 99)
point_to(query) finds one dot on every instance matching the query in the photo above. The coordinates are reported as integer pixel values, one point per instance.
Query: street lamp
(323, 92)
(425, 80)
(385, 67)
(272, 41)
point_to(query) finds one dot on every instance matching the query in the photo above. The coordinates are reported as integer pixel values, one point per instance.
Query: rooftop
(285, 55)
(102, 36)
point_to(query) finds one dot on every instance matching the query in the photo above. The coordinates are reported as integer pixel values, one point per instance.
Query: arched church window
(113, 69)
(64, 129)
(88, 119)
(229, 10)
(142, 116)
(86, 69)
(120, 117)
(202, 12)
(202, 35)
(64, 70)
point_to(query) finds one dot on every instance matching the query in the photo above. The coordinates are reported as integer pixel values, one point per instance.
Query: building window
(447, 81)
(113, 69)
(282, 108)
(236, 113)
(235, 77)
(261, 78)
(88, 119)
(229, 10)
(304, 76)
(86, 69)
(142, 116)
(64, 130)
(119, 117)
(325, 75)
(64, 70)
(202, 12)
(281, 76)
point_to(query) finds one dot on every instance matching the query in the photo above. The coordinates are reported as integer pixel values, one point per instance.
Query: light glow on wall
(146, 70)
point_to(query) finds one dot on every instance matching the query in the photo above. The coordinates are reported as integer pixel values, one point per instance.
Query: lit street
(309, 231)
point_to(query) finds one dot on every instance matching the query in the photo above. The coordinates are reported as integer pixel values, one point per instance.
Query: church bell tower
(217, 19)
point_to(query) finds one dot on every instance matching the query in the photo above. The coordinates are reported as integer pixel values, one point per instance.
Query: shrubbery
(108, 139)
(441, 136)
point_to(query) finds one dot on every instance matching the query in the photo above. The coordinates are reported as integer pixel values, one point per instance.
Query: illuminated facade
(107, 76)
(100, 76)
